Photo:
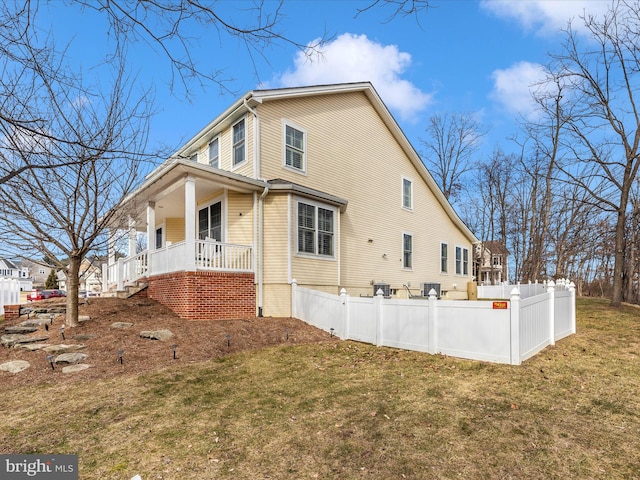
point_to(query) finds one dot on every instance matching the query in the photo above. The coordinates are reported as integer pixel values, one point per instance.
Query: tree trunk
(73, 281)
(618, 264)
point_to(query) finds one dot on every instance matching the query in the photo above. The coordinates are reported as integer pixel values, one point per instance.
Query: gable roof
(253, 98)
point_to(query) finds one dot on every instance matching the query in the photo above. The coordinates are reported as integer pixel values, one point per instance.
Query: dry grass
(350, 410)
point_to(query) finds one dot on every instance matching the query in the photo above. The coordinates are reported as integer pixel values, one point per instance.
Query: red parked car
(44, 294)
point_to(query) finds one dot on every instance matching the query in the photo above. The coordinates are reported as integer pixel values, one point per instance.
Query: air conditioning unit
(426, 288)
(385, 287)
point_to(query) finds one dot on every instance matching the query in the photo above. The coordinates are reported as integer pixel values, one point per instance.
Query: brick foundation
(11, 312)
(206, 295)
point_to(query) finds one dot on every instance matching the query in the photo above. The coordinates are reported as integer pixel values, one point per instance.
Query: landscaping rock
(121, 325)
(15, 366)
(34, 322)
(71, 358)
(83, 318)
(62, 348)
(75, 368)
(12, 339)
(31, 347)
(20, 329)
(157, 334)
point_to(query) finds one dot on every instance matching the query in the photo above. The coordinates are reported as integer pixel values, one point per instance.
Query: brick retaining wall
(206, 295)
(11, 312)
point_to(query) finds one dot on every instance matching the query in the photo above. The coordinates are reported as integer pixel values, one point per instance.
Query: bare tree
(452, 141)
(602, 130)
(84, 157)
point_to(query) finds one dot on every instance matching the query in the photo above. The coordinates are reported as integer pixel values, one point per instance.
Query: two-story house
(492, 263)
(14, 270)
(317, 184)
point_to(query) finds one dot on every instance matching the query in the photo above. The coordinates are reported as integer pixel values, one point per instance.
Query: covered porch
(188, 218)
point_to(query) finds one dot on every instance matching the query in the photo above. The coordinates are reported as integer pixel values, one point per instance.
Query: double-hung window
(239, 153)
(214, 153)
(407, 193)
(444, 257)
(316, 230)
(407, 251)
(294, 148)
(462, 261)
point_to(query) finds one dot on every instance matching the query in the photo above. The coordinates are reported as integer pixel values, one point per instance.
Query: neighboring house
(317, 184)
(492, 263)
(38, 273)
(11, 269)
(90, 281)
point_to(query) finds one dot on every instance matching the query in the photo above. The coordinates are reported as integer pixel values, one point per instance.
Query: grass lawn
(355, 411)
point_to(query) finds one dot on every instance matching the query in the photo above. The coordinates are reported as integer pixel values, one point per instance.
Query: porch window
(295, 146)
(158, 238)
(239, 143)
(315, 230)
(210, 222)
(407, 251)
(444, 257)
(214, 154)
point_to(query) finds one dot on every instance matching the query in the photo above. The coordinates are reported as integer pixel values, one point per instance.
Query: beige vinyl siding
(277, 300)
(240, 218)
(352, 154)
(275, 235)
(174, 230)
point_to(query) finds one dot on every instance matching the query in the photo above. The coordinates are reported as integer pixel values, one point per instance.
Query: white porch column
(132, 237)
(111, 248)
(151, 233)
(190, 224)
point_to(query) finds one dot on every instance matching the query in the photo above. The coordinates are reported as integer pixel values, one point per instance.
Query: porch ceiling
(165, 187)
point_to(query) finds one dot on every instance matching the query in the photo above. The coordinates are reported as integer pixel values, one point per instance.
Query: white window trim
(409, 269)
(209, 150)
(286, 123)
(246, 159)
(444, 272)
(316, 256)
(462, 249)
(410, 207)
(163, 241)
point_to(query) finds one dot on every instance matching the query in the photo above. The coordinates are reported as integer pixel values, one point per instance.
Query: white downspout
(259, 208)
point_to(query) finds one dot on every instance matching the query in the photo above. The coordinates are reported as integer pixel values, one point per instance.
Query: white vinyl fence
(502, 331)
(9, 292)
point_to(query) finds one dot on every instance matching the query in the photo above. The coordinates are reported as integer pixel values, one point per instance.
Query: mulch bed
(195, 340)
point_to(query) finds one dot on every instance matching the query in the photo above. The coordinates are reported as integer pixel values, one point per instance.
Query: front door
(210, 222)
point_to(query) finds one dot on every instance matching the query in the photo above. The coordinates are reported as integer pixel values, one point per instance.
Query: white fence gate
(9, 292)
(508, 331)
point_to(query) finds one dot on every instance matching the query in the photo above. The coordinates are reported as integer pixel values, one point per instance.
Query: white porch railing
(209, 255)
(505, 331)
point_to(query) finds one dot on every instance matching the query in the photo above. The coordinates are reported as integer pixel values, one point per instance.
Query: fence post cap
(551, 283)
(294, 282)
(343, 291)
(433, 293)
(379, 293)
(515, 292)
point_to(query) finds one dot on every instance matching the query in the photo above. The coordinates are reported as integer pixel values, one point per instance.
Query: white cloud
(356, 58)
(544, 16)
(513, 86)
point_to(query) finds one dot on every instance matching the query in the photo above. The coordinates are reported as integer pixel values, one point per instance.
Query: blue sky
(462, 57)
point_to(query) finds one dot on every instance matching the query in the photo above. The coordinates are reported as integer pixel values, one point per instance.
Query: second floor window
(294, 140)
(407, 193)
(239, 143)
(214, 154)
